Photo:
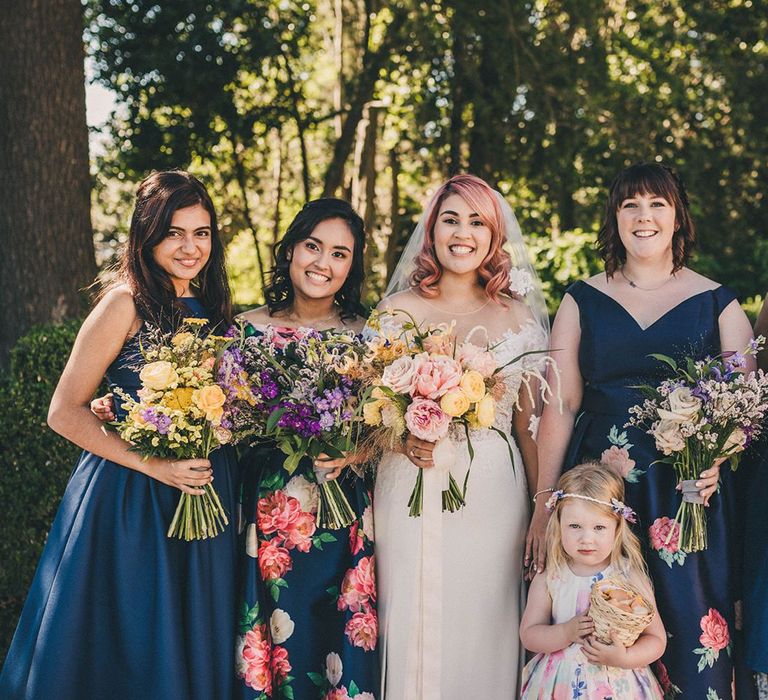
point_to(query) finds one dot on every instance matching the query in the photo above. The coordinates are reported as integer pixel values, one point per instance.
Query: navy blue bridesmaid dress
(117, 610)
(694, 592)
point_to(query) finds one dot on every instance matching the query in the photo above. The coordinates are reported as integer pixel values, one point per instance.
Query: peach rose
(668, 437)
(256, 660)
(618, 458)
(426, 420)
(300, 532)
(486, 411)
(279, 664)
(455, 403)
(684, 407)
(337, 694)
(473, 385)
(434, 376)
(362, 629)
(158, 375)
(714, 631)
(277, 513)
(274, 561)
(358, 587)
(210, 399)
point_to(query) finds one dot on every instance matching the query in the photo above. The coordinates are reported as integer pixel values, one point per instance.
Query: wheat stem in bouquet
(192, 384)
(709, 410)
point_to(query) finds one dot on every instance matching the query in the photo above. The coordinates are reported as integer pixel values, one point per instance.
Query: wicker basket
(608, 618)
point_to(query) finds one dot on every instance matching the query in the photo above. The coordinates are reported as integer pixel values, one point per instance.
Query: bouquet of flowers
(306, 401)
(709, 409)
(192, 386)
(424, 382)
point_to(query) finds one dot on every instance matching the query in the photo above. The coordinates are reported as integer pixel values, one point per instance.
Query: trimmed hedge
(35, 463)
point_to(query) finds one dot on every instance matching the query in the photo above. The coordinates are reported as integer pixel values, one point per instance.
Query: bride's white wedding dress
(450, 584)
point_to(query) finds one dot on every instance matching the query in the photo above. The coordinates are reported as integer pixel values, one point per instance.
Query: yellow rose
(486, 411)
(181, 338)
(372, 412)
(179, 399)
(158, 375)
(455, 403)
(210, 400)
(473, 385)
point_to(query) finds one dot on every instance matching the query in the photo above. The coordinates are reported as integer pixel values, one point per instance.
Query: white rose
(368, 522)
(252, 541)
(683, 406)
(333, 668)
(668, 437)
(399, 375)
(158, 375)
(735, 443)
(304, 491)
(281, 626)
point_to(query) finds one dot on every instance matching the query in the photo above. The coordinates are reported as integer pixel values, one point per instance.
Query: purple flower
(159, 420)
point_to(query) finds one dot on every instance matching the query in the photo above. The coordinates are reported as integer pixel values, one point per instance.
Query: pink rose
(300, 532)
(714, 631)
(337, 694)
(362, 629)
(473, 357)
(426, 420)
(356, 540)
(280, 666)
(277, 512)
(399, 375)
(659, 532)
(256, 660)
(274, 561)
(358, 587)
(434, 376)
(618, 458)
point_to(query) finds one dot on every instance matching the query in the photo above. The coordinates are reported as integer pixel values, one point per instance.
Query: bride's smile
(462, 239)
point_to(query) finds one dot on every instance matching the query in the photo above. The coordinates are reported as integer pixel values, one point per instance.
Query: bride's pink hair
(494, 270)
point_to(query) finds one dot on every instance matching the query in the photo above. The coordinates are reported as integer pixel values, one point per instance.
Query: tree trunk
(242, 184)
(362, 92)
(393, 244)
(278, 187)
(364, 198)
(45, 188)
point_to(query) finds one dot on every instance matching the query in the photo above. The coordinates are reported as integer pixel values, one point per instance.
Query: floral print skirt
(308, 625)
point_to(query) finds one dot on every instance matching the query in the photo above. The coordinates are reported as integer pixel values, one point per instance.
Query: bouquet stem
(198, 517)
(333, 509)
(691, 516)
(453, 498)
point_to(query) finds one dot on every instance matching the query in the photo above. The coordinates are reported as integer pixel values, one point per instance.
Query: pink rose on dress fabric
(256, 660)
(473, 357)
(659, 531)
(274, 561)
(426, 420)
(714, 631)
(277, 512)
(362, 630)
(399, 375)
(337, 694)
(299, 534)
(356, 540)
(434, 376)
(358, 587)
(618, 458)
(280, 666)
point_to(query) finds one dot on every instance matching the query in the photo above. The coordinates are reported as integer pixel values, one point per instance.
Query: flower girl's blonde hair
(597, 482)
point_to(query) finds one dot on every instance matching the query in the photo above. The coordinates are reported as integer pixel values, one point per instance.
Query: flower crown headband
(622, 510)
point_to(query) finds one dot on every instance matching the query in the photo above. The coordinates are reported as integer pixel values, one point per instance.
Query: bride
(450, 584)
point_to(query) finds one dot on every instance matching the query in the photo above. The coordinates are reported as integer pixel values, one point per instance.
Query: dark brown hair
(279, 292)
(646, 179)
(157, 199)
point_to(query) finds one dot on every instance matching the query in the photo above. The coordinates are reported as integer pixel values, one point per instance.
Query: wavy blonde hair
(494, 270)
(597, 480)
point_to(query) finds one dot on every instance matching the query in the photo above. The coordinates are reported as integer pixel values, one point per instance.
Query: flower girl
(589, 541)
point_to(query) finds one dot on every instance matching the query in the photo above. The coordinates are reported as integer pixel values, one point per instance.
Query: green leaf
(666, 359)
(274, 417)
(327, 537)
(317, 678)
(353, 689)
(286, 691)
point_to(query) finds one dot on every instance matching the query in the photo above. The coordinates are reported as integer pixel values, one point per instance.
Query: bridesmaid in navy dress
(307, 614)
(116, 609)
(649, 302)
(756, 548)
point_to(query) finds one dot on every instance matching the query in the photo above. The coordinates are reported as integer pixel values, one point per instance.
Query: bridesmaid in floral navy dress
(609, 325)
(307, 616)
(117, 609)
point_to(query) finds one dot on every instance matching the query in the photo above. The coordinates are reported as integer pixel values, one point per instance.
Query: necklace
(316, 322)
(456, 313)
(634, 285)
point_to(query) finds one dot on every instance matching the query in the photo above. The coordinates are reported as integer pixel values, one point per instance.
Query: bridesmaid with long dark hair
(308, 621)
(117, 609)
